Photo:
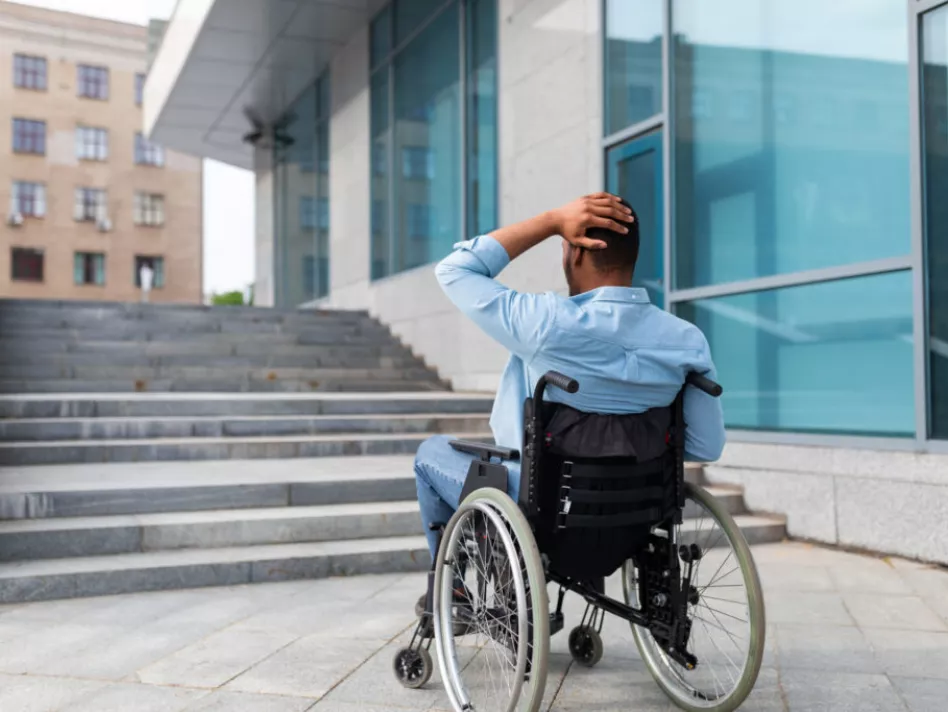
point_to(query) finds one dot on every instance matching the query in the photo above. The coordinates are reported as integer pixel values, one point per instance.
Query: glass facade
(301, 183)
(433, 129)
(934, 41)
(779, 185)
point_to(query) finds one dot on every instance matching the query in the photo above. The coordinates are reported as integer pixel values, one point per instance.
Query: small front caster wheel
(412, 667)
(585, 645)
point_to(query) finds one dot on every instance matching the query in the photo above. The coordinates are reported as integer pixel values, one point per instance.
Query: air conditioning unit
(103, 225)
(14, 219)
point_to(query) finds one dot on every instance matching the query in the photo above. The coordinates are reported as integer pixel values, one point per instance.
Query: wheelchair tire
(671, 676)
(585, 646)
(413, 667)
(489, 525)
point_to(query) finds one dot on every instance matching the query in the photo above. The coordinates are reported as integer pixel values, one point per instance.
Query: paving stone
(910, 653)
(243, 702)
(872, 576)
(808, 691)
(216, 659)
(829, 648)
(922, 695)
(807, 608)
(42, 694)
(309, 667)
(780, 577)
(140, 698)
(902, 612)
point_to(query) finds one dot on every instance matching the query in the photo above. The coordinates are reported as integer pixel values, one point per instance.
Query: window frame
(97, 269)
(21, 252)
(149, 209)
(28, 136)
(31, 206)
(22, 74)
(148, 153)
(140, 79)
(90, 210)
(157, 265)
(92, 82)
(92, 143)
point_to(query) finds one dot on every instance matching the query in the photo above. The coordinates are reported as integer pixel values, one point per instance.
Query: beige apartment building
(85, 199)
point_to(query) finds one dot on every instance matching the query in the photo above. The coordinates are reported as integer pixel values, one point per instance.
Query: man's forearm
(520, 237)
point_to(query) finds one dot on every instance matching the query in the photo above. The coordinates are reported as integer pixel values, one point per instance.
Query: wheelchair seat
(607, 480)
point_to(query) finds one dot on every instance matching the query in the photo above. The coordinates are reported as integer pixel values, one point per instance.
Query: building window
(301, 215)
(421, 122)
(148, 153)
(29, 136)
(29, 72)
(785, 194)
(157, 265)
(139, 89)
(89, 268)
(90, 204)
(28, 199)
(26, 264)
(633, 62)
(149, 209)
(798, 358)
(92, 82)
(92, 144)
(418, 163)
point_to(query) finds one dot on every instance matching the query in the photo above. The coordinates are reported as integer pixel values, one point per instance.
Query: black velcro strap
(614, 471)
(629, 496)
(603, 521)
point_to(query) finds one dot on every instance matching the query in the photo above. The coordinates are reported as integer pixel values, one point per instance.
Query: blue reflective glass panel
(381, 136)
(481, 116)
(833, 357)
(633, 61)
(791, 136)
(428, 142)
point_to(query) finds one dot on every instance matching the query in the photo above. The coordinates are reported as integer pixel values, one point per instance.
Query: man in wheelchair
(601, 467)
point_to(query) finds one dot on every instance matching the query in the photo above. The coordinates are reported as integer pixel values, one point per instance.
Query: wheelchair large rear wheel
(489, 581)
(726, 611)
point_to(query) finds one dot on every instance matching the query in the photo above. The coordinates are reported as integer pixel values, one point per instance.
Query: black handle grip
(705, 384)
(554, 378)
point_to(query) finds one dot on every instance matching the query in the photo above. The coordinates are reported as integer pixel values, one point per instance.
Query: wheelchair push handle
(705, 384)
(561, 381)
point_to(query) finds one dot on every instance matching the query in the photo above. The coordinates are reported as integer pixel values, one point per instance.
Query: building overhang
(221, 60)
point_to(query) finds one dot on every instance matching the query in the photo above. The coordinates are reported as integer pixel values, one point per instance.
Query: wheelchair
(598, 494)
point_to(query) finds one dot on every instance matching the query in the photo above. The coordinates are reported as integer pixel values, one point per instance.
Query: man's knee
(432, 450)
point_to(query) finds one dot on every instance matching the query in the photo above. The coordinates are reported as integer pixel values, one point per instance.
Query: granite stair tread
(197, 557)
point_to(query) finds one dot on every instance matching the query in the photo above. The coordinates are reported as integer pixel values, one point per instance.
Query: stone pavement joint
(846, 633)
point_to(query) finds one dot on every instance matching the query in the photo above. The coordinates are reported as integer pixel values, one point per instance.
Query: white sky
(228, 191)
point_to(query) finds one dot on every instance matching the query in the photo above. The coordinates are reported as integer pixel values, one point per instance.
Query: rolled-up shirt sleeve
(704, 417)
(519, 322)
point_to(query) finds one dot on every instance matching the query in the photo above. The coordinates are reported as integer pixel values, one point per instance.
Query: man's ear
(578, 255)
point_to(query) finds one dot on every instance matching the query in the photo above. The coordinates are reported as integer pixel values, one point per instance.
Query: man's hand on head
(597, 210)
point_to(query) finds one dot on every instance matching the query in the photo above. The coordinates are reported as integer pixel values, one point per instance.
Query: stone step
(163, 570)
(59, 429)
(221, 372)
(223, 448)
(16, 350)
(26, 540)
(308, 357)
(109, 489)
(120, 328)
(141, 405)
(216, 385)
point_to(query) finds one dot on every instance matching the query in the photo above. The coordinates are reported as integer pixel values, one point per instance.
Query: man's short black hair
(622, 251)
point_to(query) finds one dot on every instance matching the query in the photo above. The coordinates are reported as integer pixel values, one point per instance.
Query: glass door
(634, 172)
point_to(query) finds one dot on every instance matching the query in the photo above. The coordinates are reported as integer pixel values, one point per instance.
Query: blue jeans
(440, 471)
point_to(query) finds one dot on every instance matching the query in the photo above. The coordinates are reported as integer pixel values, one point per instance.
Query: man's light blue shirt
(627, 354)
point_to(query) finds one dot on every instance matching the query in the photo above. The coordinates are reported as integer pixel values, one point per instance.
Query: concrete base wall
(550, 126)
(892, 502)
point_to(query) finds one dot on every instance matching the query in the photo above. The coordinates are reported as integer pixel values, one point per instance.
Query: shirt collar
(624, 295)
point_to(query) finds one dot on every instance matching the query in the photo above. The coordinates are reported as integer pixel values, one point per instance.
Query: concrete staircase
(86, 530)
(148, 448)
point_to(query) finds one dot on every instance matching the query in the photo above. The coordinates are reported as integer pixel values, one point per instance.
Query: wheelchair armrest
(485, 451)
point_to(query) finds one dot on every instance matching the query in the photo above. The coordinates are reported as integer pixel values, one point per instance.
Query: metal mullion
(668, 280)
(841, 440)
(794, 279)
(917, 221)
(633, 131)
(462, 90)
(391, 166)
(922, 6)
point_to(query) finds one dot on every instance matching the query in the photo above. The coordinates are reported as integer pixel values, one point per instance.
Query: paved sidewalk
(847, 633)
